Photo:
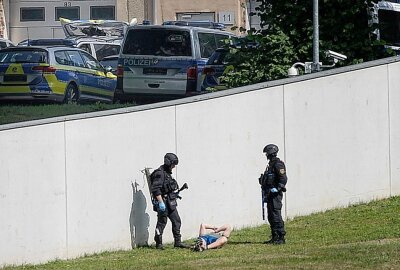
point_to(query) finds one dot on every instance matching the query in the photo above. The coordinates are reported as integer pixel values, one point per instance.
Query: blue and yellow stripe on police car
(54, 83)
(95, 82)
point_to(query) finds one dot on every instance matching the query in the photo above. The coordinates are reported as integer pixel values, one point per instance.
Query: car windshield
(164, 42)
(23, 56)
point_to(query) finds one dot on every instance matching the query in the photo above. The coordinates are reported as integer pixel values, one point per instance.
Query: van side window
(207, 44)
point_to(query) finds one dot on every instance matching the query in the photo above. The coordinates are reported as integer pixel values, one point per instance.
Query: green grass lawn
(18, 113)
(365, 236)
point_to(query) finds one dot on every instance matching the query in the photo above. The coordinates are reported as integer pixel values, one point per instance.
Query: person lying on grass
(215, 239)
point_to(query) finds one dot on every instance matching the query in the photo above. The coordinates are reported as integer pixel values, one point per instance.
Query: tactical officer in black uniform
(164, 188)
(273, 183)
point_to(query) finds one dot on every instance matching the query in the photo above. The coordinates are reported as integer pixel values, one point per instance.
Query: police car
(55, 74)
(168, 67)
(100, 38)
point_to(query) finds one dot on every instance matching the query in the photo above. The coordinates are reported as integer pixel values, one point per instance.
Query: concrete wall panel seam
(66, 190)
(284, 138)
(389, 133)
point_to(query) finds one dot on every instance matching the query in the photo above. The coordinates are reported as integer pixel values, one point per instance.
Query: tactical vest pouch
(270, 179)
(172, 204)
(170, 186)
(172, 196)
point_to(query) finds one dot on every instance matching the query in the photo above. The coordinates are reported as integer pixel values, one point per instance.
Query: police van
(165, 61)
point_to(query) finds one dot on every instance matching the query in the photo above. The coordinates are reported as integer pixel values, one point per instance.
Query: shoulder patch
(282, 171)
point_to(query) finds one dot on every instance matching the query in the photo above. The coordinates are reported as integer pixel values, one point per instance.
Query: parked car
(5, 43)
(100, 38)
(98, 48)
(53, 74)
(168, 67)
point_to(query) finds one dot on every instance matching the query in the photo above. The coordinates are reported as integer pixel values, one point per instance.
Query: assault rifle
(147, 173)
(261, 180)
(185, 186)
(262, 203)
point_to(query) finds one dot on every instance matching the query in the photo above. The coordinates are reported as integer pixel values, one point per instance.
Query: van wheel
(71, 94)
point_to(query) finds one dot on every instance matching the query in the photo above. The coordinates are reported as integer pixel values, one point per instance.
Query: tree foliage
(268, 58)
(286, 37)
(343, 27)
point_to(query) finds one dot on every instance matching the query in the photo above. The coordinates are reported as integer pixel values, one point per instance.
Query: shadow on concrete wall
(139, 220)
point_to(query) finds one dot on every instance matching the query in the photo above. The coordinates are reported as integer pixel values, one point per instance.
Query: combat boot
(158, 239)
(179, 244)
(274, 238)
(280, 240)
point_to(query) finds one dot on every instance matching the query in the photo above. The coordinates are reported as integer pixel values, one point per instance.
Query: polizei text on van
(140, 62)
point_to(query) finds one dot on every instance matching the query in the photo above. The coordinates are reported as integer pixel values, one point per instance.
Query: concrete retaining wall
(73, 185)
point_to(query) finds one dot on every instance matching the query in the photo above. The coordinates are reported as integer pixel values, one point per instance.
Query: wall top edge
(204, 97)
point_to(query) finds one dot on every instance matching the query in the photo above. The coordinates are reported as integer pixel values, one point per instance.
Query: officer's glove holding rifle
(274, 190)
(161, 206)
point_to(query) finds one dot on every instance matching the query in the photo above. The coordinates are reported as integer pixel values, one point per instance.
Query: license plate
(155, 71)
(14, 78)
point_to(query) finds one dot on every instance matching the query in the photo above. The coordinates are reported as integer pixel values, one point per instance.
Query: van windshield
(159, 42)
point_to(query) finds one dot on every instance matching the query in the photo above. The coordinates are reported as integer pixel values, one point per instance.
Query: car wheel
(71, 94)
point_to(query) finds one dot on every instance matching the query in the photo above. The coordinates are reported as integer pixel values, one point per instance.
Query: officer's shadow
(139, 220)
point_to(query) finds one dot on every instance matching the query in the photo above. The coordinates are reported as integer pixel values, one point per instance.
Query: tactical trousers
(274, 207)
(162, 218)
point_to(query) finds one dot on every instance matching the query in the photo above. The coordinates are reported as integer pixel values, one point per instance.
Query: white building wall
(73, 185)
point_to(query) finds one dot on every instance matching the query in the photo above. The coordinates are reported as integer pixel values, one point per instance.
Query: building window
(102, 13)
(71, 13)
(196, 16)
(32, 14)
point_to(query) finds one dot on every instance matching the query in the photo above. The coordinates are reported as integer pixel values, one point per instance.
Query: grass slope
(19, 113)
(365, 236)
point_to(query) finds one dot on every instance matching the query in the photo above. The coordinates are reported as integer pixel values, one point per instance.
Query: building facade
(31, 19)
(230, 12)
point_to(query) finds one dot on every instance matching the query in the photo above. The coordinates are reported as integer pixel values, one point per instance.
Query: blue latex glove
(274, 190)
(161, 206)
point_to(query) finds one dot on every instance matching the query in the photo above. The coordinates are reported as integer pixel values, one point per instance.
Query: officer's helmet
(271, 149)
(170, 159)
